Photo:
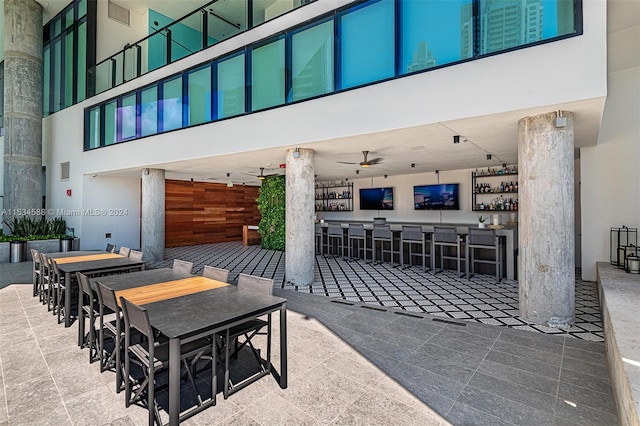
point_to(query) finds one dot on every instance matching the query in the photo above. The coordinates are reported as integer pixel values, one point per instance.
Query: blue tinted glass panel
(127, 114)
(435, 32)
(57, 72)
(506, 24)
(267, 75)
(82, 61)
(110, 123)
(68, 69)
(172, 104)
(149, 111)
(312, 61)
(82, 8)
(230, 87)
(367, 44)
(46, 79)
(199, 83)
(94, 128)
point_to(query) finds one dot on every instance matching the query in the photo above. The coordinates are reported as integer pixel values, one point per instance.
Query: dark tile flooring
(478, 299)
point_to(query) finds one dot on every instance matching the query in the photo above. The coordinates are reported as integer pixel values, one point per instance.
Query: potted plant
(481, 220)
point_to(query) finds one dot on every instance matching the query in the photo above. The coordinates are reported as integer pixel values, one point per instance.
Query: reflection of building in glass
(466, 31)
(509, 23)
(309, 82)
(422, 58)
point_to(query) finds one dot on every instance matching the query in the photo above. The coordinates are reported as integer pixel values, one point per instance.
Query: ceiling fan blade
(345, 162)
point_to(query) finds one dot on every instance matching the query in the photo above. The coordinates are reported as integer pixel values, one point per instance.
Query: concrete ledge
(619, 302)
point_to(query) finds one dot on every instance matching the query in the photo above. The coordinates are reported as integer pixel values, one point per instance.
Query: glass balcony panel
(226, 19)
(156, 51)
(118, 64)
(186, 36)
(103, 76)
(130, 63)
(264, 10)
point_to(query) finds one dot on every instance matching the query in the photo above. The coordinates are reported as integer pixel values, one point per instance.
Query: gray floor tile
(514, 392)
(519, 376)
(584, 415)
(524, 363)
(464, 415)
(586, 397)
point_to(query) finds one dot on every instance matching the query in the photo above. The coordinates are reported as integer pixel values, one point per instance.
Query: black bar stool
(484, 239)
(446, 236)
(319, 236)
(413, 236)
(356, 236)
(335, 232)
(383, 234)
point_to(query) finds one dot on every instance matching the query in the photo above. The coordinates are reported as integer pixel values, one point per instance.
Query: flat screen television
(376, 199)
(442, 196)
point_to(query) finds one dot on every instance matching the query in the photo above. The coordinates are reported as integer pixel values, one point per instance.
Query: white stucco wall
(570, 70)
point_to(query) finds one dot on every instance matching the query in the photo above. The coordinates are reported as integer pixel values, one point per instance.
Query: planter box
(46, 246)
(4, 252)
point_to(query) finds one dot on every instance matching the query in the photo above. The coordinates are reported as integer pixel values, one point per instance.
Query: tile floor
(349, 363)
(477, 299)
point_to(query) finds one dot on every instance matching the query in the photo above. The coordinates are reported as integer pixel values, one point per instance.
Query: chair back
(135, 255)
(106, 297)
(56, 271)
(110, 248)
(214, 273)
(334, 229)
(35, 255)
(137, 317)
(382, 232)
(356, 230)
(412, 233)
(256, 284)
(445, 234)
(124, 251)
(45, 266)
(85, 286)
(182, 266)
(481, 237)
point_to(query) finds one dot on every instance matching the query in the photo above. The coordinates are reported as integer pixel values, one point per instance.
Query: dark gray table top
(138, 279)
(208, 310)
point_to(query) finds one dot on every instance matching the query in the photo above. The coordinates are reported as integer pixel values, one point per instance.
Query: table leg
(174, 381)
(67, 300)
(510, 258)
(283, 346)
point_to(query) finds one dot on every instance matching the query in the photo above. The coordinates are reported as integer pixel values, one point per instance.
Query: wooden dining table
(89, 263)
(185, 307)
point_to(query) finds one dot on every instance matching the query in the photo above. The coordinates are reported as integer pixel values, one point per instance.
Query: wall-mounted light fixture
(296, 153)
(456, 138)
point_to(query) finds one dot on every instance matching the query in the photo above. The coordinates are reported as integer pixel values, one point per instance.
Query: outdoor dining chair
(89, 310)
(248, 330)
(109, 332)
(182, 266)
(110, 248)
(214, 273)
(35, 255)
(152, 356)
(59, 289)
(124, 251)
(135, 255)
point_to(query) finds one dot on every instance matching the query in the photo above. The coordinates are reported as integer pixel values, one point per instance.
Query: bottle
(515, 188)
(482, 206)
(501, 186)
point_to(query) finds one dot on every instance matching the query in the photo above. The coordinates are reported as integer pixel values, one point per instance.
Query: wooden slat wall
(202, 213)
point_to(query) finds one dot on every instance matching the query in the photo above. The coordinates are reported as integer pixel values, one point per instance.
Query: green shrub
(27, 228)
(271, 203)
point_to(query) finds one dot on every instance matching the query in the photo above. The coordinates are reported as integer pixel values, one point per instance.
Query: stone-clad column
(546, 259)
(153, 195)
(300, 198)
(22, 106)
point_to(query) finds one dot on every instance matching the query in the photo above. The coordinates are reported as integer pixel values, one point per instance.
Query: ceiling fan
(262, 176)
(365, 162)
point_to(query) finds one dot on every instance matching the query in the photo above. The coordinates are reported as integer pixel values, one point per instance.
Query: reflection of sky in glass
(128, 121)
(437, 23)
(149, 117)
(171, 114)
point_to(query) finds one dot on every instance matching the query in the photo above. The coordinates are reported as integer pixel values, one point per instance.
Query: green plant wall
(271, 203)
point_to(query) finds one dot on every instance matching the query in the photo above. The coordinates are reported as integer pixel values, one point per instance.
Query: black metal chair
(109, 332)
(443, 237)
(412, 236)
(135, 255)
(58, 287)
(110, 248)
(484, 239)
(89, 309)
(152, 356)
(37, 278)
(182, 266)
(335, 239)
(319, 237)
(384, 235)
(214, 273)
(249, 330)
(124, 251)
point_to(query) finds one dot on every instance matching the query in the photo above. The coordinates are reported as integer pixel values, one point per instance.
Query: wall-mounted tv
(436, 197)
(376, 199)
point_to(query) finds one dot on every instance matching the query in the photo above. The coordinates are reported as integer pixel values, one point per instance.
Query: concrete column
(22, 106)
(300, 198)
(153, 194)
(546, 261)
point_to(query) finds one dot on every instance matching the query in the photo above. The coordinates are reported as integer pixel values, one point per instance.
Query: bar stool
(485, 239)
(383, 234)
(357, 234)
(335, 232)
(413, 236)
(446, 236)
(319, 236)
